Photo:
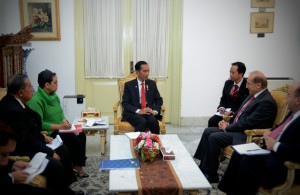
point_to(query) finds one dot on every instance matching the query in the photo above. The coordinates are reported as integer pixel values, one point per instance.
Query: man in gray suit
(257, 111)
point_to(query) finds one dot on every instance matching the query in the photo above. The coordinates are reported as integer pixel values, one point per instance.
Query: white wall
(217, 33)
(57, 56)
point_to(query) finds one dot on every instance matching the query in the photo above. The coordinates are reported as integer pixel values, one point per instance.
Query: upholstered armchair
(123, 126)
(288, 187)
(255, 135)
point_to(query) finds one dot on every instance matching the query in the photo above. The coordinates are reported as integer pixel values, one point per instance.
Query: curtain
(151, 34)
(104, 36)
(103, 51)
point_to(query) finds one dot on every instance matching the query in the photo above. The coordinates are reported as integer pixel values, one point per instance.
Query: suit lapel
(137, 92)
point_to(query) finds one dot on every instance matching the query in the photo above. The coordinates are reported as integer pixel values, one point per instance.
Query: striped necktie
(242, 109)
(274, 134)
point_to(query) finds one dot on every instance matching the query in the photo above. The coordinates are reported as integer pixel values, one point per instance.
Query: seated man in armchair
(245, 174)
(257, 111)
(141, 101)
(12, 175)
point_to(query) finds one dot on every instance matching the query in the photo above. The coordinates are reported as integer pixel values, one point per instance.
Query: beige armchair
(288, 187)
(123, 126)
(255, 135)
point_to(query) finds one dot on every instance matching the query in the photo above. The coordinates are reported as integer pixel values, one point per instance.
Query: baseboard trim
(194, 121)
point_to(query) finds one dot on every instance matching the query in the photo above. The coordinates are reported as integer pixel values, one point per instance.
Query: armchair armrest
(292, 165)
(254, 133)
(21, 158)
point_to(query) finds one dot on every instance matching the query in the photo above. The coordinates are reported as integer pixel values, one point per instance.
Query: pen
(253, 150)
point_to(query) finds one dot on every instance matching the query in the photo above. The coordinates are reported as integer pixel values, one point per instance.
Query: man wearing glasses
(257, 111)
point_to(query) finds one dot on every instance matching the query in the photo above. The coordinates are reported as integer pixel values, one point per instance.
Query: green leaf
(143, 156)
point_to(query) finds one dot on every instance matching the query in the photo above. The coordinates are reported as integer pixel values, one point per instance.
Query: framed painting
(262, 22)
(262, 3)
(43, 16)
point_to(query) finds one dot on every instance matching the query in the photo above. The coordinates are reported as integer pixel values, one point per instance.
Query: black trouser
(141, 122)
(76, 145)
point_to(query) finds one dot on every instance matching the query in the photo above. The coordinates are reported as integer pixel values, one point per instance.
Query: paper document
(38, 164)
(74, 129)
(226, 110)
(39, 171)
(250, 149)
(133, 135)
(94, 121)
(55, 143)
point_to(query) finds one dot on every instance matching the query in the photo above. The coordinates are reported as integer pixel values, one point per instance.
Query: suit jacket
(289, 149)
(260, 113)
(27, 124)
(131, 97)
(227, 102)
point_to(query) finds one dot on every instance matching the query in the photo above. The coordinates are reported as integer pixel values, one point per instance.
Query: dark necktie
(274, 134)
(234, 91)
(242, 109)
(143, 97)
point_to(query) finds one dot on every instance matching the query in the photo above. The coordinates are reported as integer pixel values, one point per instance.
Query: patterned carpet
(97, 183)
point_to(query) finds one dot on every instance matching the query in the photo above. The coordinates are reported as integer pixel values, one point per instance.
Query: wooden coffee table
(124, 181)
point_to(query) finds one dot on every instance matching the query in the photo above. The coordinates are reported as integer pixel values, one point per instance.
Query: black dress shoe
(212, 179)
(82, 175)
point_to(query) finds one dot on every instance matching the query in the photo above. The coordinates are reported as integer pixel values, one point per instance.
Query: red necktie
(279, 129)
(242, 109)
(143, 97)
(234, 91)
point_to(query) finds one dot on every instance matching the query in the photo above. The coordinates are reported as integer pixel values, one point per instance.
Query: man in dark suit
(27, 125)
(233, 94)
(12, 175)
(245, 173)
(142, 111)
(257, 111)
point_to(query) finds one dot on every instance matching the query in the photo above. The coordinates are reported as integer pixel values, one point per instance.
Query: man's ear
(20, 92)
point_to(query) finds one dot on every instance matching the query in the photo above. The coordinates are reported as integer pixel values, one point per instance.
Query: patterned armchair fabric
(123, 126)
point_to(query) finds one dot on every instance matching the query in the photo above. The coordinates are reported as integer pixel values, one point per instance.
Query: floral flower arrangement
(39, 19)
(147, 145)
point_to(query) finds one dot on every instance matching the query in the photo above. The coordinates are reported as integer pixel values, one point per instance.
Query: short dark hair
(16, 82)
(6, 133)
(44, 77)
(241, 67)
(138, 65)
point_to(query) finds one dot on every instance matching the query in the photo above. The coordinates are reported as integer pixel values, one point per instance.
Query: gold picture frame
(43, 16)
(262, 22)
(262, 3)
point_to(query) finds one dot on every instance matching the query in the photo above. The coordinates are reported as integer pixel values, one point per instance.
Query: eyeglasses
(250, 83)
(55, 83)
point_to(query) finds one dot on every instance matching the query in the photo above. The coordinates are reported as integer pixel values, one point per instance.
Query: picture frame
(262, 22)
(43, 16)
(262, 3)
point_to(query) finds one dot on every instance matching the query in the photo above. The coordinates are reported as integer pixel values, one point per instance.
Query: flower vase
(147, 146)
(25, 54)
